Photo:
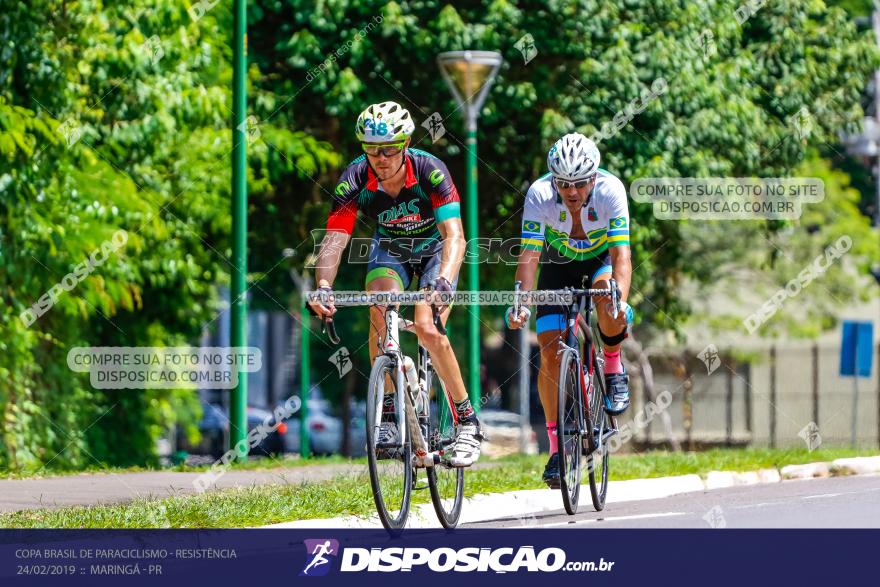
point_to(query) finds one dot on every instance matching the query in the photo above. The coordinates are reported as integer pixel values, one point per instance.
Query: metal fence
(786, 397)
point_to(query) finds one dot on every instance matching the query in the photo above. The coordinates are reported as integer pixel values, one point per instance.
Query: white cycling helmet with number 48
(385, 122)
(574, 157)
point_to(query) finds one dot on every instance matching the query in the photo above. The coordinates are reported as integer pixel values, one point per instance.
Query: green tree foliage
(112, 116)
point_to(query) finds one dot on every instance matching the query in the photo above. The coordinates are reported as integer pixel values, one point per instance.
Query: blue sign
(856, 349)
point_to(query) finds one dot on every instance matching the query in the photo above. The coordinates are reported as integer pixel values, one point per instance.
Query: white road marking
(614, 519)
(821, 495)
(754, 505)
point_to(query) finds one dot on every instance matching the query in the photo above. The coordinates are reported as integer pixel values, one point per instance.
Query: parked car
(325, 429)
(502, 431)
(214, 429)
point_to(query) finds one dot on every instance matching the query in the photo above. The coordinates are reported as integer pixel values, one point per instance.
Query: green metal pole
(472, 266)
(305, 380)
(238, 338)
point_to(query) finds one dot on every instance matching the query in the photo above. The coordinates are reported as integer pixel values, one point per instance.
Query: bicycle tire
(599, 455)
(383, 486)
(569, 424)
(446, 483)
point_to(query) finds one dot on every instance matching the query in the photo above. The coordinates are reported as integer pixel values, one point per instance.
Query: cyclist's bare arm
(621, 272)
(621, 269)
(327, 265)
(454, 246)
(526, 269)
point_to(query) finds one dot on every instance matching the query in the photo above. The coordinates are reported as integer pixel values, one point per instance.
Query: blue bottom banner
(509, 557)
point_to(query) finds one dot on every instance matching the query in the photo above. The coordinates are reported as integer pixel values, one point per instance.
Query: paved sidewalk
(98, 488)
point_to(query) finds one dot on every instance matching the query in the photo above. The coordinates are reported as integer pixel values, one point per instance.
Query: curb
(856, 466)
(524, 505)
(808, 471)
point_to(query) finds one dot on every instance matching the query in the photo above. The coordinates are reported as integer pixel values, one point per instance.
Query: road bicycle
(422, 438)
(583, 427)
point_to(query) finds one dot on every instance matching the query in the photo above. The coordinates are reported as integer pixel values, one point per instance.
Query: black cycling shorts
(562, 275)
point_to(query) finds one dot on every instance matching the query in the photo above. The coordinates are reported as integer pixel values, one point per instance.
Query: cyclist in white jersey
(575, 224)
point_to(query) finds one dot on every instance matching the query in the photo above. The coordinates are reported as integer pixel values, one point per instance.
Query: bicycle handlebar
(612, 290)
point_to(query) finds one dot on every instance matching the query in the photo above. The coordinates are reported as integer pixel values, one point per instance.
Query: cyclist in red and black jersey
(412, 199)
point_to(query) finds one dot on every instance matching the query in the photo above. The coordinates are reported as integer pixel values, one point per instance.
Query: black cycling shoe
(616, 393)
(551, 472)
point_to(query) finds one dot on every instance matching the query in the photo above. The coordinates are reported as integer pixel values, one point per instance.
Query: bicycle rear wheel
(600, 424)
(390, 468)
(446, 483)
(569, 424)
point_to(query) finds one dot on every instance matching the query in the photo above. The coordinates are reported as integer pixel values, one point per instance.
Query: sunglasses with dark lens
(564, 185)
(387, 150)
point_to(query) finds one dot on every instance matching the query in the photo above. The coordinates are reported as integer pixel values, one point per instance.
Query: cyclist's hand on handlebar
(323, 307)
(624, 315)
(445, 290)
(516, 322)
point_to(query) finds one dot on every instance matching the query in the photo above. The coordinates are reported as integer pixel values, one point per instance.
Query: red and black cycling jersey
(427, 198)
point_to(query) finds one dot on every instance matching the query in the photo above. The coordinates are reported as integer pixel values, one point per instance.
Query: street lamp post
(238, 335)
(469, 75)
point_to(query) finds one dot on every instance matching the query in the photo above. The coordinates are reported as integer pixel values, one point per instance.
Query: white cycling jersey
(604, 217)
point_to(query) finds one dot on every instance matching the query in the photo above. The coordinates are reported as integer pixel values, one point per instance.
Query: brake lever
(438, 322)
(517, 305)
(328, 328)
(615, 297)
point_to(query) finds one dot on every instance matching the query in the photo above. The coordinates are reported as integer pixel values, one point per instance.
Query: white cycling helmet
(574, 157)
(385, 122)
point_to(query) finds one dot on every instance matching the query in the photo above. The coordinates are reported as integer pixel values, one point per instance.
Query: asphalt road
(837, 502)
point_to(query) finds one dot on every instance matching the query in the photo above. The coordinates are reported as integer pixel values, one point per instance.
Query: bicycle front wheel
(446, 483)
(600, 424)
(569, 427)
(390, 466)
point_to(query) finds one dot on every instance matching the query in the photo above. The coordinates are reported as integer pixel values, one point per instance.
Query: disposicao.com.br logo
(440, 560)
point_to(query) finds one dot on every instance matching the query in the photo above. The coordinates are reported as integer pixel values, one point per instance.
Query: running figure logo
(317, 551)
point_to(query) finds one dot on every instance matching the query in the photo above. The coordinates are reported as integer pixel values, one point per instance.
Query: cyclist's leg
(442, 355)
(549, 336)
(466, 449)
(550, 328)
(616, 379)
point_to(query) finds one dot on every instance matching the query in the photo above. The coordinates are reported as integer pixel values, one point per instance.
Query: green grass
(351, 494)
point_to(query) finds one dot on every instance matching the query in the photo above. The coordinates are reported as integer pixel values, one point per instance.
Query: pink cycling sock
(612, 362)
(551, 436)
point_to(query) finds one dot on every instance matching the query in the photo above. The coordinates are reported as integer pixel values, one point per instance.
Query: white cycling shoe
(466, 449)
